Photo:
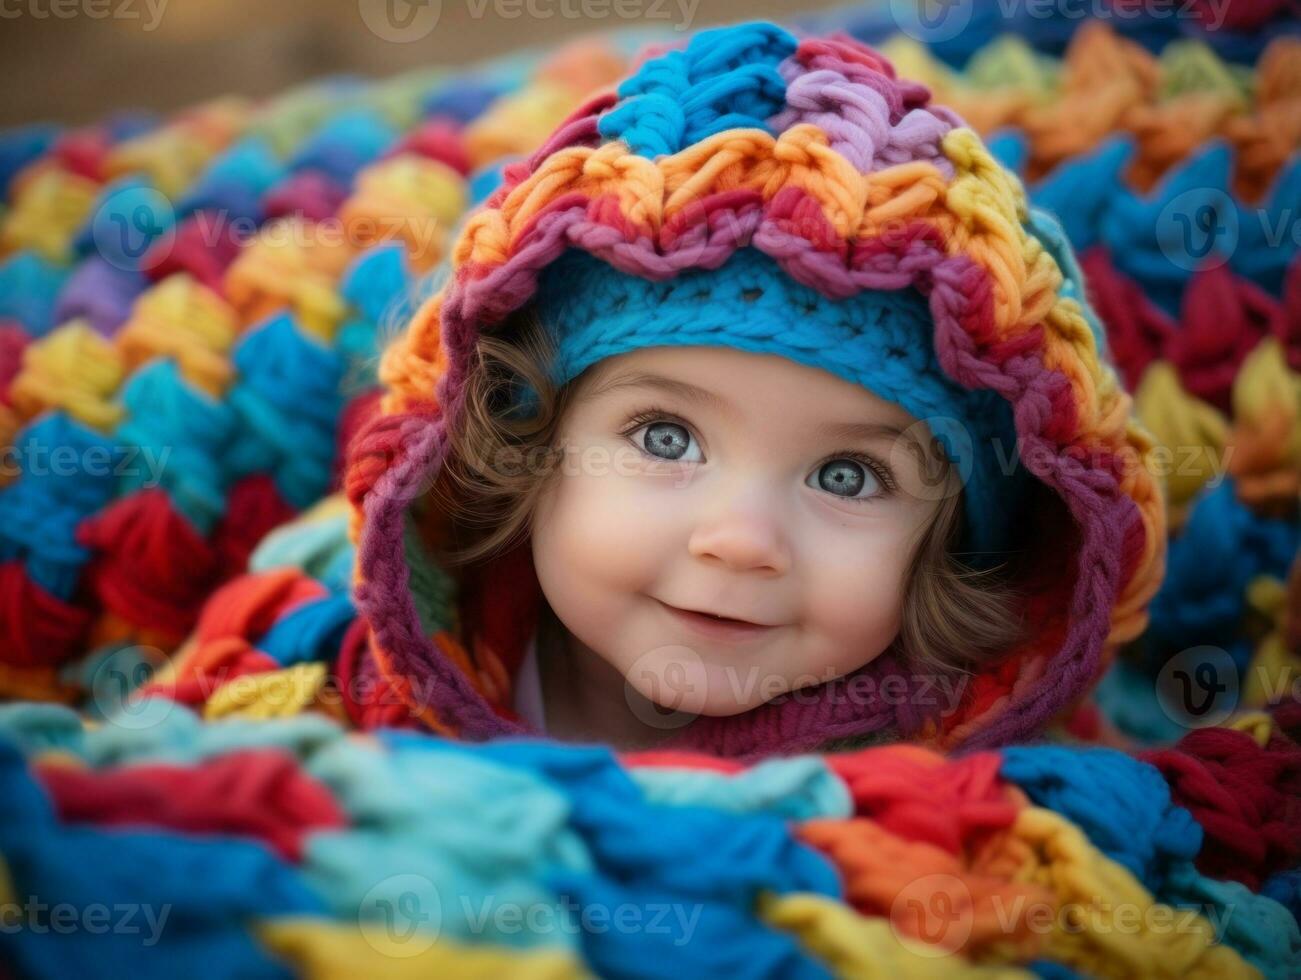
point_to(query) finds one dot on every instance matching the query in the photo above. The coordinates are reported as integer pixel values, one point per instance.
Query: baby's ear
(1045, 227)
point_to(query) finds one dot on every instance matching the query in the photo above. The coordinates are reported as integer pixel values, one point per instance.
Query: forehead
(739, 380)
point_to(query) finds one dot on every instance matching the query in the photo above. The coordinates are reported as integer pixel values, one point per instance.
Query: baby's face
(713, 480)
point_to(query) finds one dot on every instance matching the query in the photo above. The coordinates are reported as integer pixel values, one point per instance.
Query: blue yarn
(1052, 971)
(1082, 189)
(29, 291)
(487, 179)
(1158, 240)
(234, 182)
(1128, 697)
(376, 283)
(210, 889)
(19, 146)
(646, 853)
(1270, 233)
(186, 434)
(345, 144)
(1222, 547)
(1011, 148)
(878, 339)
(462, 99)
(128, 217)
(130, 123)
(309, 633)
(67, 475)
(1285, 888)
(726, 78)
(37, 726)
(1122, 805)
(287, 402)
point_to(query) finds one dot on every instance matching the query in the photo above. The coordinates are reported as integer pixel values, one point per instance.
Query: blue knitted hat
(878, 339)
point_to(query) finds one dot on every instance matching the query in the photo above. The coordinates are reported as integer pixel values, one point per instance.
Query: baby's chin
(677, 678)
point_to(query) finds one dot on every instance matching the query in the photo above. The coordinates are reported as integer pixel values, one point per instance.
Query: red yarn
(261, 794)
(1289, 324)
(1224, 318)
(1247, 799)
(1137, 331)
(359, 411)
(438, 138)
(13, 339)
(309, 193)
(40, 629)
(203, 245)
(921, 796)
(369, 696)
(253, 508)
(83, 152)
(151, 567)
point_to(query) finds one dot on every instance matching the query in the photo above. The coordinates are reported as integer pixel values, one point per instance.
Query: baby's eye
(847, 478)
(666, 440)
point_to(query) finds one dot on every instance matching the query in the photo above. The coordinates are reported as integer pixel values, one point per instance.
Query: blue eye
(666, 440)
(848, 478)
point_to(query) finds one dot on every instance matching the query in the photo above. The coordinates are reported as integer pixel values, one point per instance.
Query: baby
(759, 414)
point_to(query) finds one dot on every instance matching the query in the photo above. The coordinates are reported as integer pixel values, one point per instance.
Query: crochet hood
(814, 153)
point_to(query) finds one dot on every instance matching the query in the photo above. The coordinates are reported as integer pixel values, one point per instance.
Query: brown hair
(499, 466)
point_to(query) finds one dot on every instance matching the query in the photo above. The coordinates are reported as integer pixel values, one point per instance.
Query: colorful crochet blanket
(191, 314)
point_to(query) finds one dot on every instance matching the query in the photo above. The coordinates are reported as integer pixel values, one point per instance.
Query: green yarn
(431, 587)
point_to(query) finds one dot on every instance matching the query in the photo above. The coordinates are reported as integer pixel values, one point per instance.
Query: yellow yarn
(183, 319)
(862, 948)
(46, 212)
(1106, 923)
(1192, 432)
(1274, 668)
(324, 950)
(171, 158)
(72, 368)
(518, 123)
(286, 265)
(273, 694)
(408, 198)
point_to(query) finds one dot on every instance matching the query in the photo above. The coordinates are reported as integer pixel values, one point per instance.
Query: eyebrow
(709, 399)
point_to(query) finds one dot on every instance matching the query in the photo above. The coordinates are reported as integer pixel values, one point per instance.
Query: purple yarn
(100, 292)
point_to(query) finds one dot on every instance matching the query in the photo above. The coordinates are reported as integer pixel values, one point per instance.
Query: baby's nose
(745, 535)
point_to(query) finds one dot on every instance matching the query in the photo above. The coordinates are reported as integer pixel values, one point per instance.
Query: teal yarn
(182, 434)
(880, 340)
(802, 788)
(30, 286)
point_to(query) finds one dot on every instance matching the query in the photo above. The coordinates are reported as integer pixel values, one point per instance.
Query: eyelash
(878, 469)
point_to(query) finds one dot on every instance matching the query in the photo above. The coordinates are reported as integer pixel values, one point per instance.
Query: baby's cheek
(855, 604)
(595, 533)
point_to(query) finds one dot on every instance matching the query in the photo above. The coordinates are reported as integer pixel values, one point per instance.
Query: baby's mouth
(716, 626)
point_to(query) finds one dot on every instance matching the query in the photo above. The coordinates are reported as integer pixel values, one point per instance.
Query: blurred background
(75, 62)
